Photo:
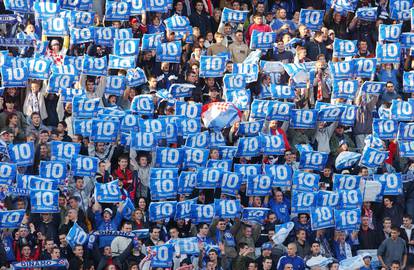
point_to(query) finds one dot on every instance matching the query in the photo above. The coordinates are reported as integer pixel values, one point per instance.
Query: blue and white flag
(80, 36)
(322, 217)
(388, 53)
(44, 201)
(406, 149)
(312, 19)
(53, 169)
(240, 98)
(121, 62)
(259, 185)
(202, 213)
(150, 42)
(143, 141)
(187, 182)
(208, 178)
(108, 193)
(117, 11)
(408, 82)
(346, 182)
(227, 208)
(373, 158)
(181, 90)
(406, 131)
(104, 130)
(94, 66)
(169, 52)
(350, 199)
(136, 77)
(282, 174)
(188, 245)
(115, 85)
(14, 77)
(262, 40)
(313, 160)
(385, 129)
(250, 71)
(85, 107)
(347, 219)
(161, 210)
(247, 170)
(273, 144)
(342, 70)
(233, 16)
(55, 27)
(164, 254)
(234, 82)
(169, 157)
(302, 201)
(274, 110)
(183, 209)
(128, 209)
(11, 219)
(327, 198)
(250, 128)
(303, 119)
(249, 147)
(402, 110)
(76, 236)
(85, 166)
(282, 91)
(231, 183)
(344, 48)
(364, 67)
(177, 23)
(391, 183)
(195, 157)
(163, 188)
(373, 88)
(389, 32)
(126, 47)
(39, 68)
(255, 214)
(282, 231)
(374, 142)
(143, 104)
(212, 66)
(44, 264)
(407, 40)
(305, 181)
(344, 89)
(368, 14)
(22, 154)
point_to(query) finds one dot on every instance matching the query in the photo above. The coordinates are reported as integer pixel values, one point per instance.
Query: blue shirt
(296, 261)
(276, 24)
(281, 210)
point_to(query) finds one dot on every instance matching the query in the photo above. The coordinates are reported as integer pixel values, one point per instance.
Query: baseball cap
(266, 246)
(108, 210)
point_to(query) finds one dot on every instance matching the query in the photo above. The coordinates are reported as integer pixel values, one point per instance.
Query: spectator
(392, 249)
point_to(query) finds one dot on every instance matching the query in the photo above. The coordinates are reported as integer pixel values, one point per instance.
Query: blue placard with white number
(53, 169)
(385, 129)
(18, 6)
(391, 183)
(164, 255)
(250, 71)
(388, 53)
(156, 5)
(282, 91)
(121, 62)
(322, 217)
(163, 188)
(64, 151)
(259, 185)
(227, 208)
(247, 170)
(230, 183)
(368, 14)
(169, 52)
(234, 16)
(188, 126)
(303, 119)
(259, 108)
(347, 219)
(22, 154)
(195, 157)
(227, 152)
(313, 160)
(406, 149)
(303, 201)
(327, 198)
(61, 81)
(312, 19)
(255, 214)
(115, 85)
(348, 115)
(161, 210)
(373, 158)
(178, 90)
(275, 110)
(273, 144)
(143, 104)
(305, 181)
(11, 219)
(94, 66)
(402, 110)
(177, 23)
(126, 47)
(117, 11)
(187, 182)
(202, 213)
(250, 128)
(262, 40)
(151, 41)
(200, 140)
(39, 68)
(342, 70)
(44, 201)
(169, 157)
(408, 82)
(350, 199)
(212, 66)
(208, 178)
(249, 147)
(364, 67)
(104, 130)
(76, 236)
(136, 77)
(344, 89)
(406, 131)
(328, 112)
(156, 126)
(143, 141)
(344, 48)
(389, 32)
(81, 19)
(373, 88)
(80, 36)
(190, 110)
(108, 192)
(240, 98)
(183, 209)
(8, 173)
(14, 77)
(282, 174)
(234, 82)
(85, 166)
(55, 27)
(407, 40)
(346, 182)
(82, 127)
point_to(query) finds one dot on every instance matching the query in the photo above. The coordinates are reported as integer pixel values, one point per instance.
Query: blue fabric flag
(312, 19)
(321, 218)
(108, 193)
(76, 236)
(44, 201)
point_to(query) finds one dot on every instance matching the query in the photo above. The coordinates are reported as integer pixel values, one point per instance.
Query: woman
(56, 51)
(12, 123)
(142, 205)
(138, 220)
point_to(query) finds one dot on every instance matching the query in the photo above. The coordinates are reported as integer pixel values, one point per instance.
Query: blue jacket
(281, 210)
(297, 262)
(111, 225)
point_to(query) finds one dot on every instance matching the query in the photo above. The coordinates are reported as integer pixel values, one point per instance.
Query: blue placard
(115, 85)
(104, 36)
(250, 128)
(130, 122)
(212, 66)
(55, 26)
(259, 185)
(234, 16)
(136, 77)
(161, 210)
(342, 70)
(282, 174)
(82, 127)
(303, 119)
(187, 182)
(344, 48)
(234, 82)
(195, 157)
(389, 32)
(61, 82)
(250, 71)
(407, 40)
(94, 66)
(82, 19)
(373, 158)
(227, 208)
(391, 183)
(217, 139)
(312, 19)
(202, 213)
(240, 98)
(8, 173)
(156, 126)
(348, 115)
(373, 88)
(305, 181)
(368, 14)
(169, 52)
(385, 129)
(177, 23)
(151, 41)
(225, 165)
(231, 183)
(183, 209)
(163, 188)
(160, 173)
(249, 147)
(143, 141)
(406, 149)
(53, 169)
(364, 67)
(406, 131)
(402, 110)
(327, 198)
(255, 214)
(302, 201)
(350, 199)
(80, 36)
(190, 110)
(178, 90)
(103, 130)
(328, 112)
(408, 82)
(347, 219)
(346, 182)
(18, 6)
(188, 245)
(76, 236)
(121, 62)
(39, 68)
(137, 7)
(164, 254)
(247, 170)
(227, 152)
(126, 47)
(22, 154)
(344, 89)
(108, 192)
(259, 108)
(157, 5)
(117, 11)
(11, 219)
(388, 53)
(85, 166)
(200, 140)
(262, 40)
(169, 157)
(282, 91)
(313, 160)
(143, 104)
(280, 111)
(44, 201)
(188, 126)
(273, 144)
(208, 178)
(322, 217)
(14, 77)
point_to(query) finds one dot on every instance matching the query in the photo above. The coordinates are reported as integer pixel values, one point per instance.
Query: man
(267, 263)
(392, 249)
(21, 123)
(395, 265)
(280, 207)
(302, 246)
(78, 261)
(241, 261)
(367, 236)
(36, 125)
(217, 48)
(199, 18)
(291, 258)
(246, 233)
(154, 239)
(258, 26)
(315, 257)
(239, 50)
(407, 233)
(363, 119)
(363, 50)
(281, 54)
(316, 47)
(266, 253)
(282, 25)
(389, 94)
(120, 243)
(48, 249)
(338, 138)
(219, 234)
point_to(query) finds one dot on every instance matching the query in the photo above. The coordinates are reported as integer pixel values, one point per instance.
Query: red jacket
(127, 180)
(257, 27)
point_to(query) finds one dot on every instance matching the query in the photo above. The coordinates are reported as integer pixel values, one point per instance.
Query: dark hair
(126, 222)
(395, 262)
(408, 216)
(242, 245)
(395, 228)
(9, 117)
(34, 113)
